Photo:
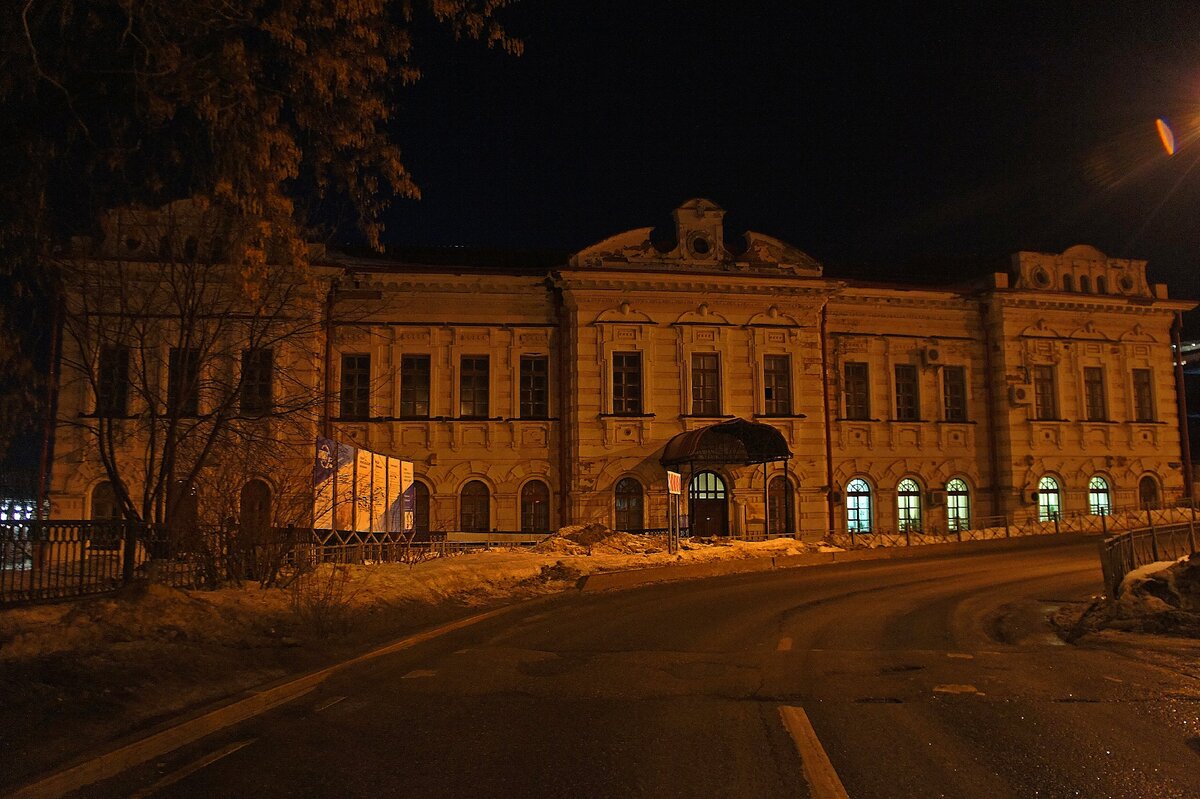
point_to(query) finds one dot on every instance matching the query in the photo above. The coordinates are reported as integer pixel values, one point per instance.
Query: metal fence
(1121, 554)
(51, 560)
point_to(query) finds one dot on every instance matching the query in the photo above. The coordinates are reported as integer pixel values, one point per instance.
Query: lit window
(1099, 503)
(858, 506)
(958, 505)
(1048, 499)
(908, 505)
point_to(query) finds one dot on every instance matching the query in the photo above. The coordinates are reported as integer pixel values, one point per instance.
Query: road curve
(918, 678)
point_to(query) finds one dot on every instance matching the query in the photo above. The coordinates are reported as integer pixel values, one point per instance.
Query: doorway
(709, 505)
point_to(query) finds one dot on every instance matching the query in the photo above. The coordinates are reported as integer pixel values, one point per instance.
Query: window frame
(859, 506)
(112, 381)
(958, 504)
(534, 519)
(907, 392)
(474, 383)
(480, 510)
(909, 509)
(954, 394)
(1099, 496)
(533, 401)
(626, 394)
(1142, 380)
(706, 383)
(416, 384)
(258, 381)
(1095, 403)
(856, 390)
(1049, 486)
(354, 395)
(183, 372)
(629, 504)
(1045, 393)
(777, 385)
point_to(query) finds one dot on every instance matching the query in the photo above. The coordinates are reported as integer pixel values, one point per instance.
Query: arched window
(629, 505)
(420, 507)
(1148, 492)
(1085, 284)
(104, 502)
(958, 505)
(908, 505)
(780, 503)
(474, 508)
(535, 507)
(1099, 503)
(1047, 499)
(254, 507)
(1068, 283)
(858, 506)
(1101, 285)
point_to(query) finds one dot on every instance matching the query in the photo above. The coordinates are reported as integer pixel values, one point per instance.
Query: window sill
(531, 419)
(793, 416)
(959, 421)
(909, 421)
(706, 416)
(626, 416)
(855, 419)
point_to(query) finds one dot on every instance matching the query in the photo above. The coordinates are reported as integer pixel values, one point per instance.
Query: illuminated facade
(531, 398)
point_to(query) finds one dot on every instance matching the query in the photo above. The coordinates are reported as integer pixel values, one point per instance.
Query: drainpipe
(828, 422)
(564, 394)
(1181, 403)
(51, 411)
(991, 384)
(327, 412)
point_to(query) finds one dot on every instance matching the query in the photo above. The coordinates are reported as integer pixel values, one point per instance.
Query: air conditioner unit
(1020, 394)
(937, 498)
(931, 356)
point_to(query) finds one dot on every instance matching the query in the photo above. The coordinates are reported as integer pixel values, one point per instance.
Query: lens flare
(1165, 135)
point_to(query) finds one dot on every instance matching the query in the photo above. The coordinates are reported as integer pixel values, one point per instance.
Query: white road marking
(191, 768)
(955, 688)
(823, 781)
(418, 673)
(785, 645)
(960, 655)
(328, 704)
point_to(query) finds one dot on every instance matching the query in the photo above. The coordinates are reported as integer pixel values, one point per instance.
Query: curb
(183, 733)
(618, 580)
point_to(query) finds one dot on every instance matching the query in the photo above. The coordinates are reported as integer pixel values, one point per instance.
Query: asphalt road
(921, 678)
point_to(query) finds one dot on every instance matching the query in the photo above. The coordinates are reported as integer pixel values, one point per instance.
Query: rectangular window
(1045, 402)
(414, 386)
(908, 401)
(183, 382)
(356, 387)
(535, 392)
(1143, 395)
(1093, 392)
(857, 390)
(706, 384)
(777, 385)
(627, 382)
(257, 379)
(954, 387)
(112, 381)
(473, 387)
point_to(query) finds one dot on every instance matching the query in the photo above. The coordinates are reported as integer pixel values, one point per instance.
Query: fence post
(1104, 524)
(1153, 541)
(1006, 533)
(1056, 515)
(1192, 529)
(907, 536)
(127, 555)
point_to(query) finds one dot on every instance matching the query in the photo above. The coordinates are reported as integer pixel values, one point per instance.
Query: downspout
(327, 412)
(828, 422)
(991, 383)
(1181, 403)
(564, 394)
(51, 411)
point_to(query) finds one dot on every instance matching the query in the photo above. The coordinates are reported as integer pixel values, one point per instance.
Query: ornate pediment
(699, 244)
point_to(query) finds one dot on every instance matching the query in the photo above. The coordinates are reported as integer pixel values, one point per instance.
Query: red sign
(674, 483)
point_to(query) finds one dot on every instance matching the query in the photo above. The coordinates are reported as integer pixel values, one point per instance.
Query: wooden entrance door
(710, 506)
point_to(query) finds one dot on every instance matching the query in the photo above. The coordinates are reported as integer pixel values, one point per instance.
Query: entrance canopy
(735, 441)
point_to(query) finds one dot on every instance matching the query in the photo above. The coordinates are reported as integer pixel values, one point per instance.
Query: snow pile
(1161, 587)
(595, 538)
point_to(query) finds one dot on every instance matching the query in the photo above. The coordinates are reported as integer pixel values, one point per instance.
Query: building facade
(533, 398)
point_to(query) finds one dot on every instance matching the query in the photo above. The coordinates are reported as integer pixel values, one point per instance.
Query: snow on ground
(78, 673)
(1161, 587)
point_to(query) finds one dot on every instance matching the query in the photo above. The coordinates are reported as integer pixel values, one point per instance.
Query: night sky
(897, 141)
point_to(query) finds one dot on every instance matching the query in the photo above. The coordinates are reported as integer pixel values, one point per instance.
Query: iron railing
(1121, 554)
